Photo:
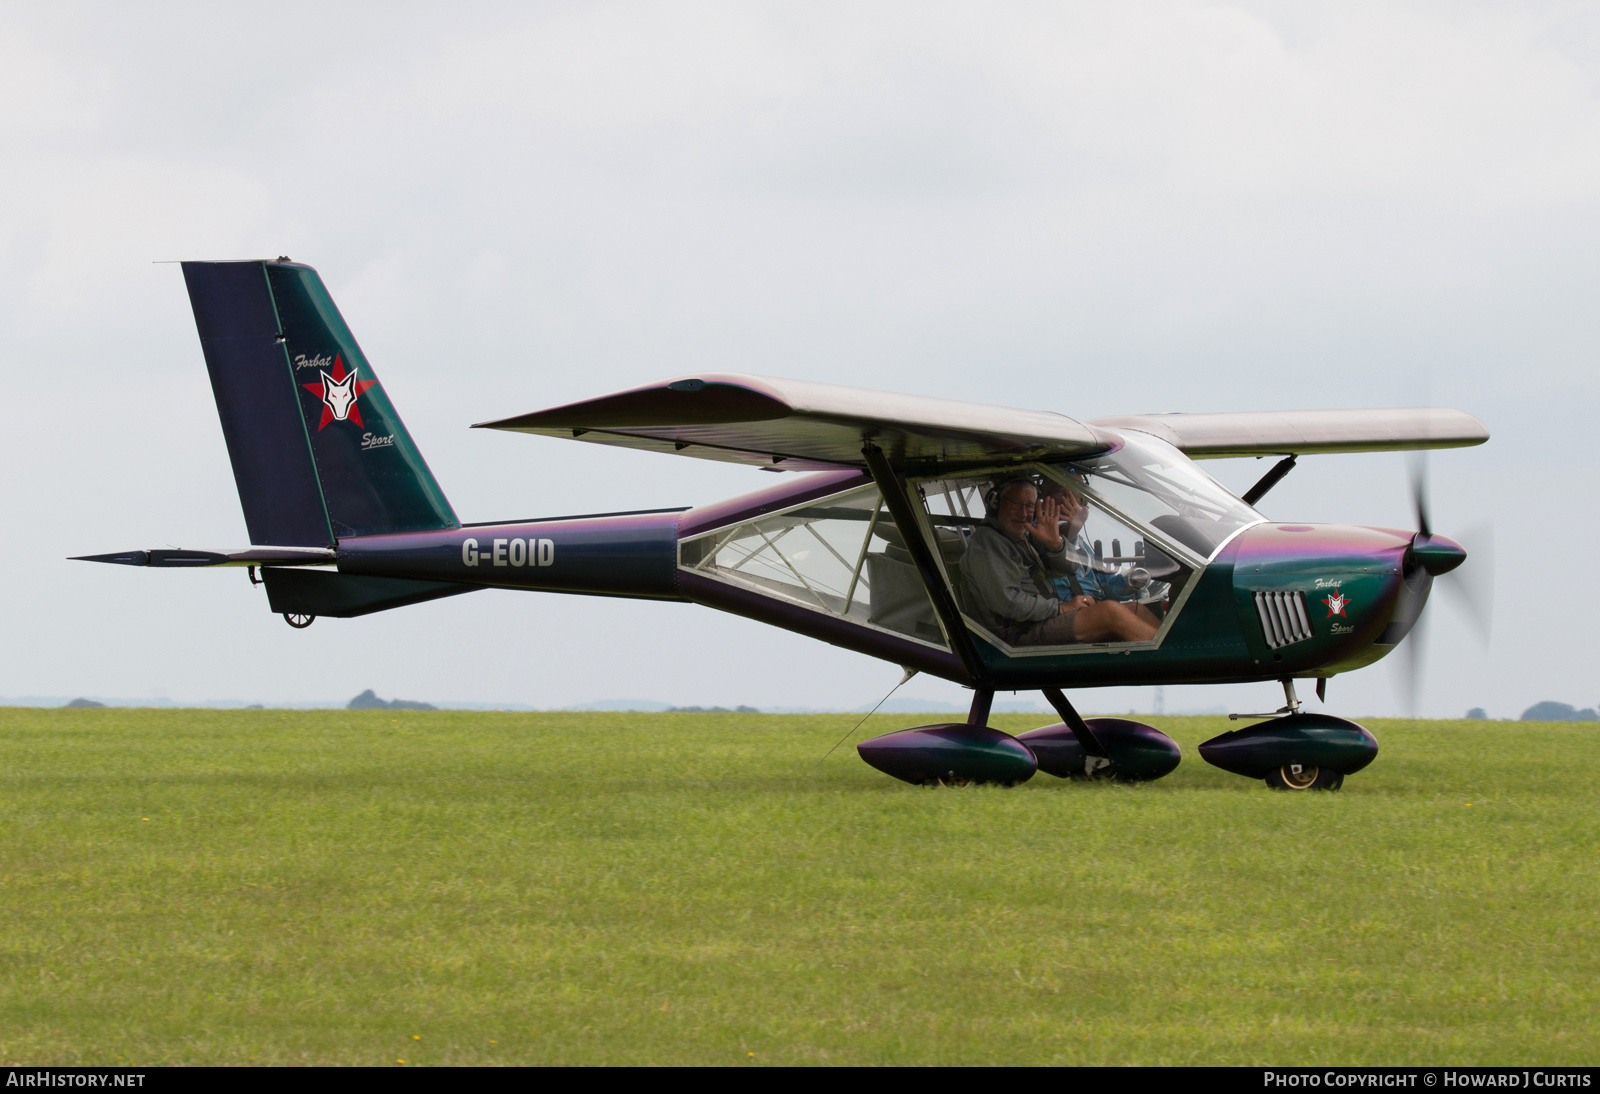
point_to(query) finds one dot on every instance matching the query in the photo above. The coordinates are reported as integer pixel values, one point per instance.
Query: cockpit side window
(842, 555)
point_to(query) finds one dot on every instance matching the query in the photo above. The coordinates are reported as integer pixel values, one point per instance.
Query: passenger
(1086, 579)
(1009, 574)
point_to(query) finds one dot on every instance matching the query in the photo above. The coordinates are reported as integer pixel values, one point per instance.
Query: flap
(1305, 432)
(795, 425)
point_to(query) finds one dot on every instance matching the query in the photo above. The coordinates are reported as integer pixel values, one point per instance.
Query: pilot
(1009, 573)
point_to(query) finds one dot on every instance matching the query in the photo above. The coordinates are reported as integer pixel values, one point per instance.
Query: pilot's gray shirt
(995, 575)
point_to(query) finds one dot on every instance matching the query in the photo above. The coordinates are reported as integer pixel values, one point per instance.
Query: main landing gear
(1293, 750)
(958, 753)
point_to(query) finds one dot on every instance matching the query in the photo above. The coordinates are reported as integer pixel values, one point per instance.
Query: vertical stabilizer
(318, 451)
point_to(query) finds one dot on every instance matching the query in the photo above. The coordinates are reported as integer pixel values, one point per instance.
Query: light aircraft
(994, 547)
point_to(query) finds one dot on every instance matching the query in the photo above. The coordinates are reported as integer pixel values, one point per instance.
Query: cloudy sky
(1093, 209)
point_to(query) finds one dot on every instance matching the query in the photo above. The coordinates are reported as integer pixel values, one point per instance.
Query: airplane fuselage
(1275, 600)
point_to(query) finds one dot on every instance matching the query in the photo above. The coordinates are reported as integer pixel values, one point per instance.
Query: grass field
(374, 887)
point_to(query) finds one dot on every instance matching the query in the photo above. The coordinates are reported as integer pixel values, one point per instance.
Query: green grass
(332, 887)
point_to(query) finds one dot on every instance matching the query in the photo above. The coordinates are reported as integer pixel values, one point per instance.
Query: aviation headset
(991, 496)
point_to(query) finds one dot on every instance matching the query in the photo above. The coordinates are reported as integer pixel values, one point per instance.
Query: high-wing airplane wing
(1306, 432)
(796, 425)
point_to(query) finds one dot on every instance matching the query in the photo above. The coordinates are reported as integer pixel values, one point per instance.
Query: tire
(1307, 778)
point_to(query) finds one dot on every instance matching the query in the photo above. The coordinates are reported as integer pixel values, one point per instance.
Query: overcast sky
(1092, 209)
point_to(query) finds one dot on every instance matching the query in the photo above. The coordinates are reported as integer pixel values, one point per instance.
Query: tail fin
(318, 451)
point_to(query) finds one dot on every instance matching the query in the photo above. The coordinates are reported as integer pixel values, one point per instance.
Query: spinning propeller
(1429, 557)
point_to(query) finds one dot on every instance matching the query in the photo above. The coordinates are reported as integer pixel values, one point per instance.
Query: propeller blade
(1410, 667)
(1471, 586)
(1419, 491)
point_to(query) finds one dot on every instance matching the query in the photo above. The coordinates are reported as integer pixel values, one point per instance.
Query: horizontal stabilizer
(250, 556)
(1308, 432)
(796, 425)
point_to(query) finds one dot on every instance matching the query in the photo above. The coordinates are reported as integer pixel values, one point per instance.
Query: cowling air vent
(1283, 618)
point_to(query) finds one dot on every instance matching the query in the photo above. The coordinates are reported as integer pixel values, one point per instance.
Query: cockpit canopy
(1144, 521)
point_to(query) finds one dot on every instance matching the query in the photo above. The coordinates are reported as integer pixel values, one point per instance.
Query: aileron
(1307, 432)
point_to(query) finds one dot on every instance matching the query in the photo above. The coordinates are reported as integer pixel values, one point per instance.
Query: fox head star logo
(338, 391)
(1336, 603)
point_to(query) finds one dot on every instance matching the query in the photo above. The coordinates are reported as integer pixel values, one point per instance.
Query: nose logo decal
(339, 392)
(1336, 603)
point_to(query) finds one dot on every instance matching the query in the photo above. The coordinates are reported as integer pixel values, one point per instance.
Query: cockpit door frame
(939, 586)
(897, 496)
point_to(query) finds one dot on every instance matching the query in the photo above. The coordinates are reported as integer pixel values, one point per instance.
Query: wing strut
(898, 499)
(1269, 480)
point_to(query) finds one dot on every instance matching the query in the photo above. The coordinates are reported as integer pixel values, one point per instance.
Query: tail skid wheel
(299, 620)
(1304, 777)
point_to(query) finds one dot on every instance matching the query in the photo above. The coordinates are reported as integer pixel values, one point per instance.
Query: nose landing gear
(1292, 750)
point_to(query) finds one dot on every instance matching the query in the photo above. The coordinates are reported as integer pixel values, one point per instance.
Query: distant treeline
(712, 710)
(1548, 711)
(368, 700)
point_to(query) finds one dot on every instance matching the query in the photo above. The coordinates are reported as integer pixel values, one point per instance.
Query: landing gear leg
(1291, 702)
(1095, 755)
(982, 700)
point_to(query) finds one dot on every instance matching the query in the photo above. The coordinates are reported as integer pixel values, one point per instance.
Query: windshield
(1151, 481)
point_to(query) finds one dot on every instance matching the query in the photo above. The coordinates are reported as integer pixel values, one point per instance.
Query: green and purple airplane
(884, 536)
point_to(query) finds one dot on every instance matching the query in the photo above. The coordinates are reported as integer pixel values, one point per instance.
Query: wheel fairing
(1138, 752)
(1314, 740)
(952, 750)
